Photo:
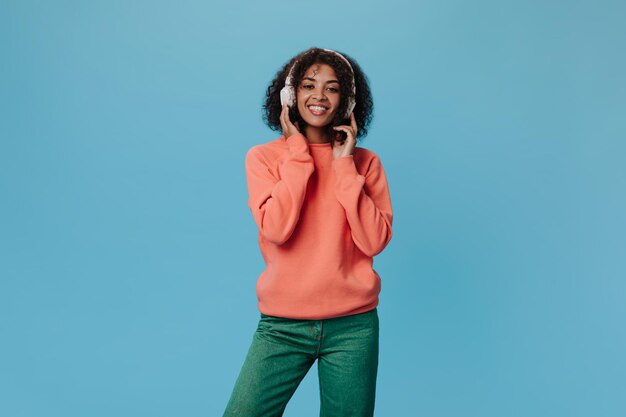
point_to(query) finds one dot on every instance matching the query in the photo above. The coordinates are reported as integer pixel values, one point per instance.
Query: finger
(353, 122)
(283, 123)
(287, 120)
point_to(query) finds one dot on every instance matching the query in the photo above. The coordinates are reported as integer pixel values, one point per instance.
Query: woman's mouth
(317, 110)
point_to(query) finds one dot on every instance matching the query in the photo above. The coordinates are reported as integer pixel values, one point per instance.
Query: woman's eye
(308, 86)
(333, 90)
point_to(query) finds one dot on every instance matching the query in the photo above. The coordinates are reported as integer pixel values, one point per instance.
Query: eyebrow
(327, 82)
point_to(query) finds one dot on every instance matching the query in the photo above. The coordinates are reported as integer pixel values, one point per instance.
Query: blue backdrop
(128, 256)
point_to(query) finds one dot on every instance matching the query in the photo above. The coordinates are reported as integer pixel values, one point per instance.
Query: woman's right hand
(288, 127)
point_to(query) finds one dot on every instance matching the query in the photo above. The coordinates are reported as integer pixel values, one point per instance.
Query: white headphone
(288, 92)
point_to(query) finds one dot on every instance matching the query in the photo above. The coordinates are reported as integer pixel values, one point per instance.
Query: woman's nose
(319, 94)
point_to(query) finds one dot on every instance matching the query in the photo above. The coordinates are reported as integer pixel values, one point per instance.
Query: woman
(323, 211)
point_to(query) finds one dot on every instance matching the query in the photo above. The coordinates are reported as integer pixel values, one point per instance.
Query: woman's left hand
(347, 147)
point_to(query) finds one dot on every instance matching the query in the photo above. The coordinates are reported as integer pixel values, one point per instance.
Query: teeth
(317, 108)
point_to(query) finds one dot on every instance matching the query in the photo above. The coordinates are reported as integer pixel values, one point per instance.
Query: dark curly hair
(363, 111)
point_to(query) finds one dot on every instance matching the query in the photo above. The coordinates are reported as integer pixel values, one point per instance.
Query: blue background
(128, 256)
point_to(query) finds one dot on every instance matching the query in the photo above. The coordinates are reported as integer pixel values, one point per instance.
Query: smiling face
(318, 95)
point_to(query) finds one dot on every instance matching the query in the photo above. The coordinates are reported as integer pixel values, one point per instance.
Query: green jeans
(282, 353)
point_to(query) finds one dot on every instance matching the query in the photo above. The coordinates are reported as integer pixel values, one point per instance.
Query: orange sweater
(320, 220)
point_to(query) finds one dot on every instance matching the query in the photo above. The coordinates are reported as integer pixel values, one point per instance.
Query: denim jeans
(282, 352)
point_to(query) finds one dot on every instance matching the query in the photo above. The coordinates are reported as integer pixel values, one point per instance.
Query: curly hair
(363, 111)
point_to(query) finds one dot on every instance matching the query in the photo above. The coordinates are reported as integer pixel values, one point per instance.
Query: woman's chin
(317, 122)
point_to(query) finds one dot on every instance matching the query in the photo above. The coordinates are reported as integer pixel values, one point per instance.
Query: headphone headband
(289, 80)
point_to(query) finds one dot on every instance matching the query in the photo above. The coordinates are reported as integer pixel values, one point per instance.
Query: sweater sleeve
(276, 202)
(367, 203)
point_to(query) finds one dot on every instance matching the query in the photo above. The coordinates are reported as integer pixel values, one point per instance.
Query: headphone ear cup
(287, 96)
(351, 106)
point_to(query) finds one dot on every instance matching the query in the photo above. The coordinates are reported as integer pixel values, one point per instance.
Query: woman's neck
(316, 134)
